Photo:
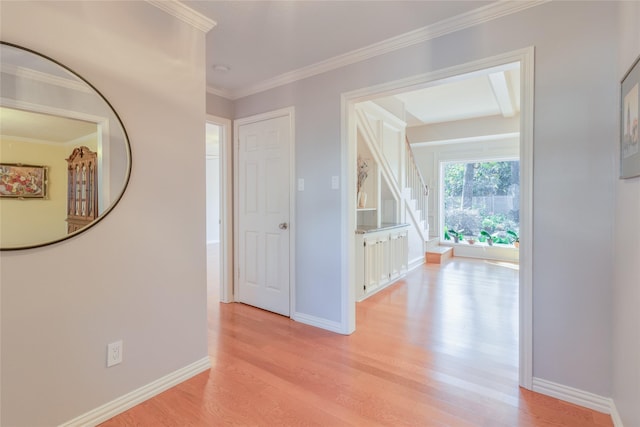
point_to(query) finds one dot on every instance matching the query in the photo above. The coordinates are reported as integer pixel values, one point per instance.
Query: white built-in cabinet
(381, 258)
(382, 236)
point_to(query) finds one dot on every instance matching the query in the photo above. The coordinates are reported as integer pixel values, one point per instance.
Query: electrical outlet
(114, 353)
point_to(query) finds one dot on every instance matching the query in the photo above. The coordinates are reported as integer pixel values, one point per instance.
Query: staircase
(434, 254)
(395, 160)
(416, 192)
(406, 182)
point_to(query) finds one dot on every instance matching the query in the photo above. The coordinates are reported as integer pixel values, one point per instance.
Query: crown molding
(220, 92)
(184, 13)
(466, 20)
(39, 76)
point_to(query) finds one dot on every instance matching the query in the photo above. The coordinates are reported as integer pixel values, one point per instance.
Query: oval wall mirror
(65, 158)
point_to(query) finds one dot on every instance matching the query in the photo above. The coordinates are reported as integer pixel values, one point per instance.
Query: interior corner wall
(140, 274)
(219, 106)
(626, 283)
(575, 120)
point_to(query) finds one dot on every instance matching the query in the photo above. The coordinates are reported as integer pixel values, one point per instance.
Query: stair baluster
(415, 181)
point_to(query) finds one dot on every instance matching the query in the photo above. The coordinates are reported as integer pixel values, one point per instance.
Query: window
(481, 201)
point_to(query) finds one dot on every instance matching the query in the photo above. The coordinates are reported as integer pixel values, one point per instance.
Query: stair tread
(439, 249)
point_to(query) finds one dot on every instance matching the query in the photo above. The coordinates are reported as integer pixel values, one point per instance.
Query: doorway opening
(524, 143)
(213, 132)
(218, 209)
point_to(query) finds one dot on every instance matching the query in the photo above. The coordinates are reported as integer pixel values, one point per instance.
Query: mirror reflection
(64, 154)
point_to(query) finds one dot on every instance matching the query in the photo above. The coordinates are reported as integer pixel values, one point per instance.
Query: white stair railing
(416, 202)
(415, 182)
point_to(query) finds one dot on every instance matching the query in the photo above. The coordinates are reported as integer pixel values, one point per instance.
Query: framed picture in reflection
(18, 181)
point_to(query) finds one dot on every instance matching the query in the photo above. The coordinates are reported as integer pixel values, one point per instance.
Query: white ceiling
(50, 129)
(261, 40)
(494, 92)
(256, 42)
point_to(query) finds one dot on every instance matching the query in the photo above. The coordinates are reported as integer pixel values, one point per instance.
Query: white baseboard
(615, 416)
(129, 400)
(416, 263)
(573, 395)
(319, 322)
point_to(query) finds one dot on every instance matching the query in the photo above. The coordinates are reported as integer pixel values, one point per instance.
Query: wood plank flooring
(439, 348)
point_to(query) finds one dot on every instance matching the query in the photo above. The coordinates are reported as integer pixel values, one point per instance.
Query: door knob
(283, 226)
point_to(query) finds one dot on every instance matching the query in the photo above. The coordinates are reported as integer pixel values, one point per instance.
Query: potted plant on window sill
(452, 234)
(486, 236)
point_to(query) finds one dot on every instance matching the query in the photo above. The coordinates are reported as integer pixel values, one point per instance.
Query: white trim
(290, 113)
(572, 395)
(527, 60)
(318, 322)
(226, 208)
(415, 263)
(76, 83)
(348, 101)
(129, 400)
(54, 111)
(105, 203)
(184, 13)
(615, 415)
(481, 138)
(348, 223)
(466, 20)
(224, 93)
(293, 226)
(77, 141)
(484, 251)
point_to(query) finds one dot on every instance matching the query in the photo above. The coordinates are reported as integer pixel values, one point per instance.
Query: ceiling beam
(501, 93)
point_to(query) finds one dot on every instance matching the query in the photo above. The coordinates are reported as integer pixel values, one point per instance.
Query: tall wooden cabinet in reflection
(82, 190)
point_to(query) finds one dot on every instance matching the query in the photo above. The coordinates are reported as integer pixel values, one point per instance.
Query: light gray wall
(574, 174)
(219, 106)
(140, 274)
(626, 287)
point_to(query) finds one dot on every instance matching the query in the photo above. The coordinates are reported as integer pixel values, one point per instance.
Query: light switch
(335, 182)
(300, 184)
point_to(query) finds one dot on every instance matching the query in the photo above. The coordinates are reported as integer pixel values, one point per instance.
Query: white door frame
(290, 113)
(526, 58)
(226, 207)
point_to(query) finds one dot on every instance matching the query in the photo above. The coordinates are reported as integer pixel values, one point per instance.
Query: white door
(263, 213)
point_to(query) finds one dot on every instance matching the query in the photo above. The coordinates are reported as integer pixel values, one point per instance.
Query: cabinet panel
(371, 263)
(381, 258)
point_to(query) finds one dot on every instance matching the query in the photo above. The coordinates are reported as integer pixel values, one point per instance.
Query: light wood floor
(436, 349)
